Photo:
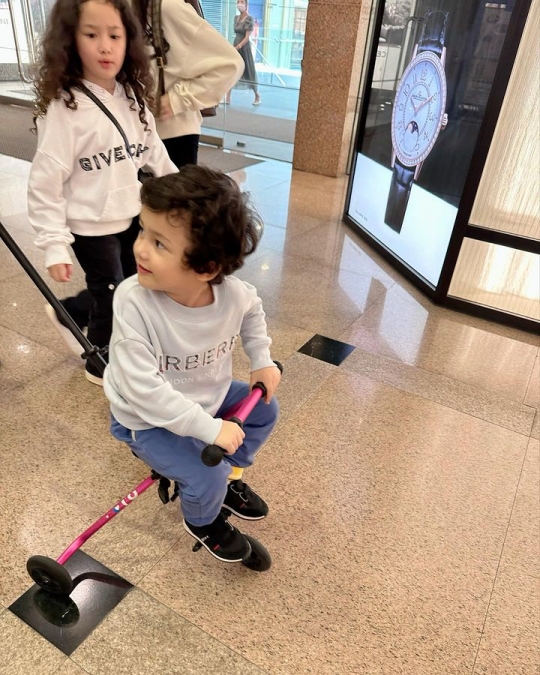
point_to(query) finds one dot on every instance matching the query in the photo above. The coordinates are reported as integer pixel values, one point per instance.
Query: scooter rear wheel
(49, 575)
(259, 559)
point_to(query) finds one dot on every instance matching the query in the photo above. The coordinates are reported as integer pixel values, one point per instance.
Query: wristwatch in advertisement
(418, 114)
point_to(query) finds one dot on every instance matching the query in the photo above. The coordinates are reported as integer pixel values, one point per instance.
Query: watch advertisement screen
(434, 67)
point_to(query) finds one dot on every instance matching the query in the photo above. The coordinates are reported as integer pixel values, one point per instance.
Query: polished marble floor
(403, 483)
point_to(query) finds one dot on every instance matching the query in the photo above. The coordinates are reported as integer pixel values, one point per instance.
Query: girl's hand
(166, 110)
(230, 437)
(61, 272)
(270, 377)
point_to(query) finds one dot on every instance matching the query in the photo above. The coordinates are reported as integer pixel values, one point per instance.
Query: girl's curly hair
(60, 67)
(223, 226)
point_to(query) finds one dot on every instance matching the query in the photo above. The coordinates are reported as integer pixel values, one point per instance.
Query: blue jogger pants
(202, 488)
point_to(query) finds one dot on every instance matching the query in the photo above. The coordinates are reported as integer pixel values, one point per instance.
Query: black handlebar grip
(260, 385)
(212, 455)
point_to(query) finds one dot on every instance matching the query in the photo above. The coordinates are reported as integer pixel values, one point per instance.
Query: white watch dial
(419, 108)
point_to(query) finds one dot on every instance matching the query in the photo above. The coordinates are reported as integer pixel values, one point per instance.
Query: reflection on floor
(402, 483)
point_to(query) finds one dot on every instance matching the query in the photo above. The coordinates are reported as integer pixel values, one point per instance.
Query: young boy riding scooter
(175, 326)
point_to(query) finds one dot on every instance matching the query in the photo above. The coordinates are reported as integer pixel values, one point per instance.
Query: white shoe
(94, 379)
(66, 334)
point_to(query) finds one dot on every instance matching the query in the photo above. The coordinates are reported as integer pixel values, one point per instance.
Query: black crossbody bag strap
(158, 43)
(109, 114)
(159, 51)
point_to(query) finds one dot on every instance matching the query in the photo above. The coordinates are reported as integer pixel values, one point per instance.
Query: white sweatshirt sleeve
(158, 161)
(210, 65)
(47, 207)
(255, 339)
(148, 394)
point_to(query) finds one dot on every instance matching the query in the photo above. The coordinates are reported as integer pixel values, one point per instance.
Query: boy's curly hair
(223, 226)
(60, 68)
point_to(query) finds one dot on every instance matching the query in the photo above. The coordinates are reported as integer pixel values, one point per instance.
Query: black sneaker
(68, 337)
(221, 539)
(94, 379)
(93, 373)
(243, 502)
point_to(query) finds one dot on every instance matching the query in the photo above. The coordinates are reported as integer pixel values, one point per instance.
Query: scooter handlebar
(212, 455)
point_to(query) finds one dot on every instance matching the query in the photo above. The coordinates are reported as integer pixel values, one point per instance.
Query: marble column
(331, 70)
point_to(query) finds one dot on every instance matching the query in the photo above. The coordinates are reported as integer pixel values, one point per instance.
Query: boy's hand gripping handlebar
(212, 455)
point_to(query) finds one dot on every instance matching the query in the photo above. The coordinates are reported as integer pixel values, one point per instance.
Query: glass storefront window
(434, 68)
(277, 44)
(513, 205)
(499, 277)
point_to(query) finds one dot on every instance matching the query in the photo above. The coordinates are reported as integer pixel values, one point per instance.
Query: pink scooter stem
(212, 455)
(74, 546)
(241, 410)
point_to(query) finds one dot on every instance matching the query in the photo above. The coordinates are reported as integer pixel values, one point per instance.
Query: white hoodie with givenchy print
(82, 179)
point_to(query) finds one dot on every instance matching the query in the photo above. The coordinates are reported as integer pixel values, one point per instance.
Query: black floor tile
(327, 349)
(66, 621)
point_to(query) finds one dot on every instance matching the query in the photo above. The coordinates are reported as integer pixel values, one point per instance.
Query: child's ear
(213, 270)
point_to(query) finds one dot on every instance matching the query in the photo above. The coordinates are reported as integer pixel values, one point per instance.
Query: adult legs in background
(183, 149)
(254, 89)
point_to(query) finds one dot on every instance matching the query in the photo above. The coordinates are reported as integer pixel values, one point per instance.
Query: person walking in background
(83, 188)
(243, 28)
(201, 66)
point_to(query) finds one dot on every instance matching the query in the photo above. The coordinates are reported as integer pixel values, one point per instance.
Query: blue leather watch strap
(398, 197)
(433, 34)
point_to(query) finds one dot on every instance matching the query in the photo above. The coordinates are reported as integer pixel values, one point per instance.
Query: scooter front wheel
(49, 575)
(259, 559)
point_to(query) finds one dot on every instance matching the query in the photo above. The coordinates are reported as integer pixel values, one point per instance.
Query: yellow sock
(236, 473)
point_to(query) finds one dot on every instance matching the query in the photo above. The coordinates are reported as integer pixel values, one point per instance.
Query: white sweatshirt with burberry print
(170, 366)
(82, 180)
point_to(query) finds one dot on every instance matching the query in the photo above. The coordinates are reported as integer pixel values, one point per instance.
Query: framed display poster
(433, 65)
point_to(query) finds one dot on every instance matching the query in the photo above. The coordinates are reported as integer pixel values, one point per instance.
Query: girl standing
(83, 188)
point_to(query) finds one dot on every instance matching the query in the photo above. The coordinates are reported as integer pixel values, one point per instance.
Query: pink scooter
(52, 576)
